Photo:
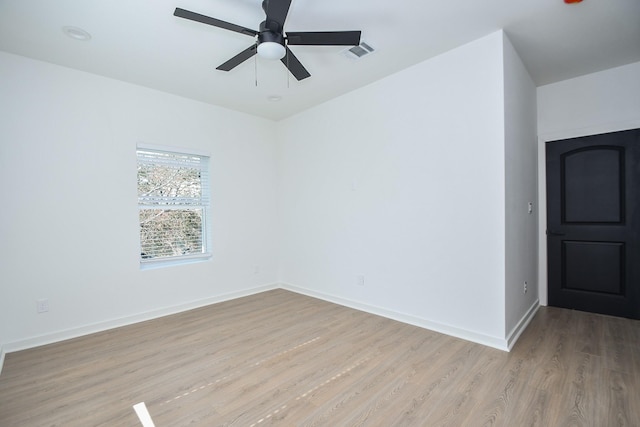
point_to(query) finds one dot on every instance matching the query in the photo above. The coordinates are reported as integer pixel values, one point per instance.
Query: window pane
(168, 185)
(166, 233)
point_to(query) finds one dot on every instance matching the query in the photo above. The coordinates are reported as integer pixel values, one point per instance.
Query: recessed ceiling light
(274, 98)
(76, 33)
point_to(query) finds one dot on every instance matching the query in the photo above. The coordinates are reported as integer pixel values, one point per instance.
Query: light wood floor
(283, 359)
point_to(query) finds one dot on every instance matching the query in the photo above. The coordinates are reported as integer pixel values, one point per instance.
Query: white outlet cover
(42, 305)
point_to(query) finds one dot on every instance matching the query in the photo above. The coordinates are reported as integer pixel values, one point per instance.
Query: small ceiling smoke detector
(359, 51)
(76, 33)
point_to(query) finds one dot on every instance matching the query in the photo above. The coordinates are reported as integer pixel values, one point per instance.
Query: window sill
(149, 264)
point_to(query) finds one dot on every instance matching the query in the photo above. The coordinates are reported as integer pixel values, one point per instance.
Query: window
(173, 203)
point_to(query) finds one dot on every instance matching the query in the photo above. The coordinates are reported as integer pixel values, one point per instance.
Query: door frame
(543, 294)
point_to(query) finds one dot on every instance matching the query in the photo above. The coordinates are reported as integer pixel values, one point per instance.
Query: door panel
(594, 266)
(591, 180)
(593, 218)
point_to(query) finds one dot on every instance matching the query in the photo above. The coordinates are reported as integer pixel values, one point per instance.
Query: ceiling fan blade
(181, 13)
(324, 38)
(295, 66)
(277, 10)
(239, 58)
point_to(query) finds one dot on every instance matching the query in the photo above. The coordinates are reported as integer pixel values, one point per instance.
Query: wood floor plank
(283, 359)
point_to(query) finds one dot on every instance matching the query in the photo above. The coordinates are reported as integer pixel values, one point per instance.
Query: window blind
(173, 201)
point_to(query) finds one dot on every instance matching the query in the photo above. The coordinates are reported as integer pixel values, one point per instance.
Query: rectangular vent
(357, 52)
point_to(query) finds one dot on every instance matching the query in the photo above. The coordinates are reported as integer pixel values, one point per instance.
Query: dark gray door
(593, 223)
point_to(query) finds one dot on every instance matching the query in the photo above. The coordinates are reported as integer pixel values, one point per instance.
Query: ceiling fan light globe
(271, 50)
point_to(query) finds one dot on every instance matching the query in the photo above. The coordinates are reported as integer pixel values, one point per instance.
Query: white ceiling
(141, 42)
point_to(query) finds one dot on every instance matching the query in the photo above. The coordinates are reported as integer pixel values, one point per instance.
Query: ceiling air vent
(360, 51)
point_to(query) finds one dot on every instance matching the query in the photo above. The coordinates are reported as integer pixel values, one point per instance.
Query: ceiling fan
(271, 40)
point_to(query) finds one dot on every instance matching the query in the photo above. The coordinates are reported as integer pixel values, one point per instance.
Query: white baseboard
(522, 324)
(124, 321)
(490, 341)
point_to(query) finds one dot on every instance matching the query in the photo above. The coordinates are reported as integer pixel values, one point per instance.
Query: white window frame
(204, 204)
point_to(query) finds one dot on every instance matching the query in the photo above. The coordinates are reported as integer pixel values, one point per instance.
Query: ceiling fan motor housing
(269, 34)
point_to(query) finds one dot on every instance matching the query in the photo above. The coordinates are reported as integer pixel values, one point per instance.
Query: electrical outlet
(360, 280)
(525, 288)
(42, 305)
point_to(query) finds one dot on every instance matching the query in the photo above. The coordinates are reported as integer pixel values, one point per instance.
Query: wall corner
(1, 358)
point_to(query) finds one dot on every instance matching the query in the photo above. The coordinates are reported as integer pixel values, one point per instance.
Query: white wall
(403, 182)
(521, 188)
(596, 103)
(411, 182)
(70, 224)
(599, 102)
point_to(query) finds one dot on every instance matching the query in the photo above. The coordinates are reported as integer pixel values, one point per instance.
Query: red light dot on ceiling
(572, 1)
